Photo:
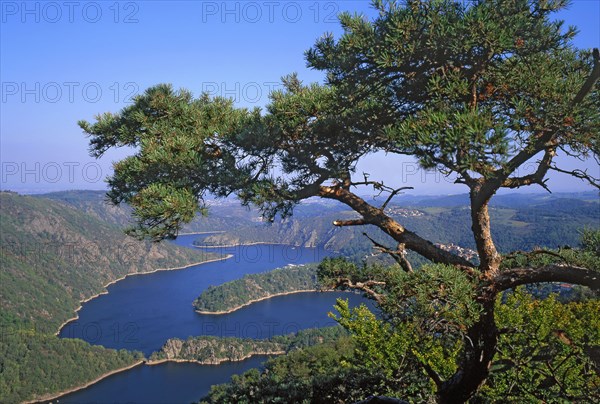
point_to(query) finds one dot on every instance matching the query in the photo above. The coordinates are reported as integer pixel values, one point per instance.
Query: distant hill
(510, 200)
(93, 203)
(519, 220)
(53, 256)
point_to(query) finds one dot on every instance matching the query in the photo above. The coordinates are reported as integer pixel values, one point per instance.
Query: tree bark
(482, 337)
(480, 347)
(489, 259)
(514, 277)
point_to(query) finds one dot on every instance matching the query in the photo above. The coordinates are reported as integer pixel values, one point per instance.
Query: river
(142, 312)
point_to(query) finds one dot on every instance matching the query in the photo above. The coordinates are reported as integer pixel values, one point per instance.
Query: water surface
(142, 312)
(171, 383)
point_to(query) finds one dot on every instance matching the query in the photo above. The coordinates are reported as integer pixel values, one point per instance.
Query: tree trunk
(480, 347)
(482, 337)
(489, 259)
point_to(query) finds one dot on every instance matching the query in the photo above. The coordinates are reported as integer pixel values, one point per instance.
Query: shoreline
(201, 232)
(88, 384)
(104, 292)
(219, 361)
(221, 312)
(249, 244)
(144, 362)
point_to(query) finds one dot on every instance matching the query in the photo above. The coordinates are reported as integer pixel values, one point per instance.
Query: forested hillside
(542, 222)
(53, 256)
(51, 247)
(520, 221)
(233, 295)
(214, 350)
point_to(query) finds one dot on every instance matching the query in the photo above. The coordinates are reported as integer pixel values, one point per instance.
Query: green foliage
(392, 353)
(232, 295)
(50, 247)
(590, 241)
(158, 202)
(317, 374)
(459, 78)
(52, 257)
(213, 350)
(333, 270)
(440, 296)
(587, 256)
(547, 351)
(180, 155)
(33, 364)
(425, 317)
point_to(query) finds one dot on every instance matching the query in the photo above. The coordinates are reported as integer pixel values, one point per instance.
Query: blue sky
(62, 61)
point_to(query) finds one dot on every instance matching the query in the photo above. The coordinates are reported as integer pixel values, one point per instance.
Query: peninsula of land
(234, 295)
(208, 350)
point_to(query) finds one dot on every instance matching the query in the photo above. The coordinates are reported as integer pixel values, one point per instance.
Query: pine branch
(366, 287)
(433, 375)
(534, 252)
(392, 194)
(537, 177)
(377, 217)
(398, 255)
(511, 278)
(591, 80)
(355, 222)
(581, 174)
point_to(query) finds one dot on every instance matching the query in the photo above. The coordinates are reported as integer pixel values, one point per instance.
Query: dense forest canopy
(233, 295)
(472, 89)
(51, 258)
